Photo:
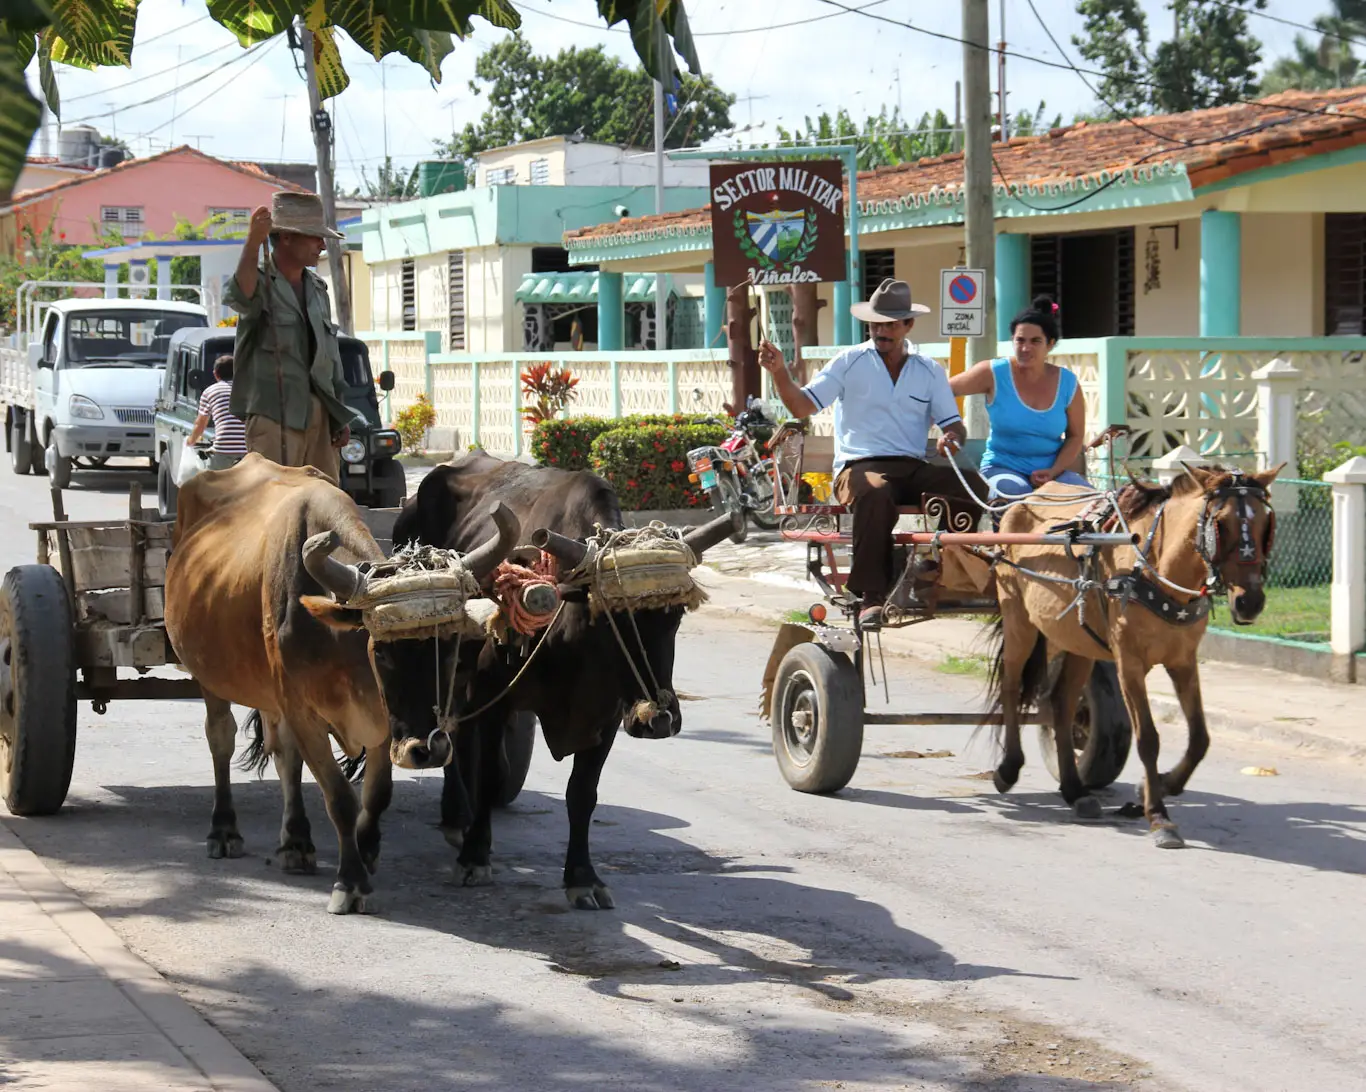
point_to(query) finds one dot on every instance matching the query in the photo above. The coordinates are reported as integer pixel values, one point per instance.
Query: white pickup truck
(84, 389)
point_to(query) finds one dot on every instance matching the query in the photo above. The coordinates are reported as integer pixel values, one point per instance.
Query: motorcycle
(737, 475)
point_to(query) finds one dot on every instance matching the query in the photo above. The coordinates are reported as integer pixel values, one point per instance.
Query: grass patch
(799, 617)
(971, 664)
(1298, 614)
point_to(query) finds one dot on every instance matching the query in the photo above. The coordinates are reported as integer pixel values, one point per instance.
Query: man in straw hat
(885, 399)
(288, 370)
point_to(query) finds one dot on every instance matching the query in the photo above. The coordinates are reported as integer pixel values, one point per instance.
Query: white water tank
(79, 145)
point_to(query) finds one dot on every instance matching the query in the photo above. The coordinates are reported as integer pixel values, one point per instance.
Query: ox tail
(353, 769)
(254, 759)
(1035, 685)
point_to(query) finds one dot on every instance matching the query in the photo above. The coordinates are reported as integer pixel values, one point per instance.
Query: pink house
(141, 198)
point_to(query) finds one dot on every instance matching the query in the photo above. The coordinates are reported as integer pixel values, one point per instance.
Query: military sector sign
(962, 308)
(778, 223)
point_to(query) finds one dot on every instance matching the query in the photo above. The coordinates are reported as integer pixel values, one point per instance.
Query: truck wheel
(817, 716)
(519, 740)
(37, 450)
(391, 485)
(1101, 731)
(167, 490)
(58, 466)
(37, 690)
(20, 448)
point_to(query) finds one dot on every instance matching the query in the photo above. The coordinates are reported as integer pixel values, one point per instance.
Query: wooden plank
(115, 604)
(140, 690)
(102, 644)
(100, 567)
(89, 535)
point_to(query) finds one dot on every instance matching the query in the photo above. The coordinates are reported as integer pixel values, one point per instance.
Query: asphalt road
(915, 931)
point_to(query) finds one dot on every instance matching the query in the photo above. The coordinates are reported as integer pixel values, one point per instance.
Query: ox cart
(85, 623)
(815, 684)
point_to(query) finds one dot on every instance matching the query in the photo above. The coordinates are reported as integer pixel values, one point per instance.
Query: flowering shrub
(568, 444)
(552, 389)
(413, 422)
(647, 464)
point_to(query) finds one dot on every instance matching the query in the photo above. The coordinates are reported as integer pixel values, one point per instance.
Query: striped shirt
(229, 434)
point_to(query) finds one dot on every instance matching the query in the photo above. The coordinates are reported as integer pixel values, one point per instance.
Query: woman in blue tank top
(1038, 416)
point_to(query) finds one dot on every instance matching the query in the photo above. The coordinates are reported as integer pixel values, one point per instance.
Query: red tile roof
(29, 196)
(1209, 145)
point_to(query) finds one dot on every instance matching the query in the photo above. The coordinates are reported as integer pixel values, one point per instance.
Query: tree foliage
(1210, 60)
(94, 33)
(580, 92)
(1326, 63)
(390, 184)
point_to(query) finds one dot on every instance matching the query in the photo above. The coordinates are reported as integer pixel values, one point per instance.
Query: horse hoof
(1086, 807)
(475, 875)
(345, 901)
(1002, 785)
(596, 897)
(1167, 837)
(297, 860)
(222, 845)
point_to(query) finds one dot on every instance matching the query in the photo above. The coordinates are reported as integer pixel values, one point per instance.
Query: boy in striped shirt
(229, 433)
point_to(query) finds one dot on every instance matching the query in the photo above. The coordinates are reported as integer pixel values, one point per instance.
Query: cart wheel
(817, 719)
(37, 690)
(1101, 732)
(519, 740)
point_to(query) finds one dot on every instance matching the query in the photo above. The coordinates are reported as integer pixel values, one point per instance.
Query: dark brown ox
(235, 613)
(581, 685)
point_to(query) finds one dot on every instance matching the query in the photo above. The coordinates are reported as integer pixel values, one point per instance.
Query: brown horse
(1142, 606)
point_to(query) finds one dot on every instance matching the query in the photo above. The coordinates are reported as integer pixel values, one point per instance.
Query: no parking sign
(962, 310)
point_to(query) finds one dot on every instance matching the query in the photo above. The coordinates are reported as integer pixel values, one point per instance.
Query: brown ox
(234, 585)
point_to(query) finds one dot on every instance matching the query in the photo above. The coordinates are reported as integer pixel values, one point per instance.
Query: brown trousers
(308, 447)
(874, 489)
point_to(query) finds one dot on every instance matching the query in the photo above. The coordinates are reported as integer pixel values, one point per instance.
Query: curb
(224, 1067)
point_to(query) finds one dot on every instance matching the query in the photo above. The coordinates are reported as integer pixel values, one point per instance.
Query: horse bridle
(1241, 490)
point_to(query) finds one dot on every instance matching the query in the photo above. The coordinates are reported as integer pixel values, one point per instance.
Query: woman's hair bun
(1044, 304)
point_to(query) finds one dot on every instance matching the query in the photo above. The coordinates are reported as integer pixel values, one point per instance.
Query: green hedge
(567, 444)
(647, 464)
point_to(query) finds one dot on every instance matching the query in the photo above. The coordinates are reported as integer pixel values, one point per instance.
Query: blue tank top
(1024, 439)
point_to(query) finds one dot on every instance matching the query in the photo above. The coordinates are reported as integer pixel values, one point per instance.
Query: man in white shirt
(885, 399)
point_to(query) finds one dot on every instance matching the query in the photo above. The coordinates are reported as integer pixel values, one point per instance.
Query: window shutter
(1344, 273)
(455, 298)
(408, 288)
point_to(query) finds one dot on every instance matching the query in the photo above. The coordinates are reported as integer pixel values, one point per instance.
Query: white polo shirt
(872, 416)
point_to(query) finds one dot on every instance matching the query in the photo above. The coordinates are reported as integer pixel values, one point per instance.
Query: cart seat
(816, 455)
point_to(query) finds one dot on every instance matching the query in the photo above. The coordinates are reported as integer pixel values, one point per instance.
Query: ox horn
(345, 582)
(484, 559)
(569, 550)
(701, 539)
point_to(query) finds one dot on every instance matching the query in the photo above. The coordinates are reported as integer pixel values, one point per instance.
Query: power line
(150, 76)
(257, 54)
(174, 30)
(1289, 22)
(700, 33)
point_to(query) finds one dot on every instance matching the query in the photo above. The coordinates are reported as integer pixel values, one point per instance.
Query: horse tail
(1034, 684)
(254, 759)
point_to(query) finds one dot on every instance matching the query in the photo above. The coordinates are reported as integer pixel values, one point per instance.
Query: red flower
(553, 459)
(545, 445)
(630, 483)
(677, 466)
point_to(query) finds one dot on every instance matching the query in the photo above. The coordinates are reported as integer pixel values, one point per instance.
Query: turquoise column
(713, 307)
(611, 313)
(1221, 274)
(844, 321)
(1012, 280)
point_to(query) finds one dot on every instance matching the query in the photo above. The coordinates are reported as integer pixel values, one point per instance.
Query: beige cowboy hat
(300, 214)
(891, 302)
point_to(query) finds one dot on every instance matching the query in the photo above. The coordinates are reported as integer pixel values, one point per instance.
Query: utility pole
(978, 205)
(661, 291)
(957, 115)
(1001, 76)
(321, 124)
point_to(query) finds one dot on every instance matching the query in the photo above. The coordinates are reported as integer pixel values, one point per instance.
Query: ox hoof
(224, 844)
(474, 875)
(597, 897)
(455, 837)
(298, 860)
(1167, 837)
(344, 901)
(1086, 807)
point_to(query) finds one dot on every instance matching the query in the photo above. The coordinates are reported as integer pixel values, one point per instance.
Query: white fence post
(1349, 558)
(1172, 465)
(1278, 385)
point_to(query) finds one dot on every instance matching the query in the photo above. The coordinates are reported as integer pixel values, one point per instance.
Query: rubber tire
(39, 452)
(391, 485)
(20, 449)
(764, 519)
(61, 468)
(1102, 759)
(38, 699)
(724, 498)
(833, 756)
(519, 740)
(167, 490)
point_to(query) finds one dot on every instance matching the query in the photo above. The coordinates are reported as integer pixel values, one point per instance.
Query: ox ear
(331, 613)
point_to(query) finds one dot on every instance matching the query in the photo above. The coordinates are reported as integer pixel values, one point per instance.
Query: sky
(211, 94)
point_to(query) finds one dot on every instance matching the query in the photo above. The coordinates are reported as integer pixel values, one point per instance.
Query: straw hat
(891, 302)
(300, 214)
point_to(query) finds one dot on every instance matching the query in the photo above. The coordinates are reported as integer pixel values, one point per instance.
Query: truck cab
(89, 389)
(370, 475)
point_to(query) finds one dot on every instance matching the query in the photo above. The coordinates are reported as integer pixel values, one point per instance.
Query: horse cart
(86, 624)
(816, 681)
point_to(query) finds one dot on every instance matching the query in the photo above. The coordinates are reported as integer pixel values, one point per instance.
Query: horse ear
(1264, 478)
(1202, 475)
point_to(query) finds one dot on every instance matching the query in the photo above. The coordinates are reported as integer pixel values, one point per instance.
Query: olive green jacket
(270, 358)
